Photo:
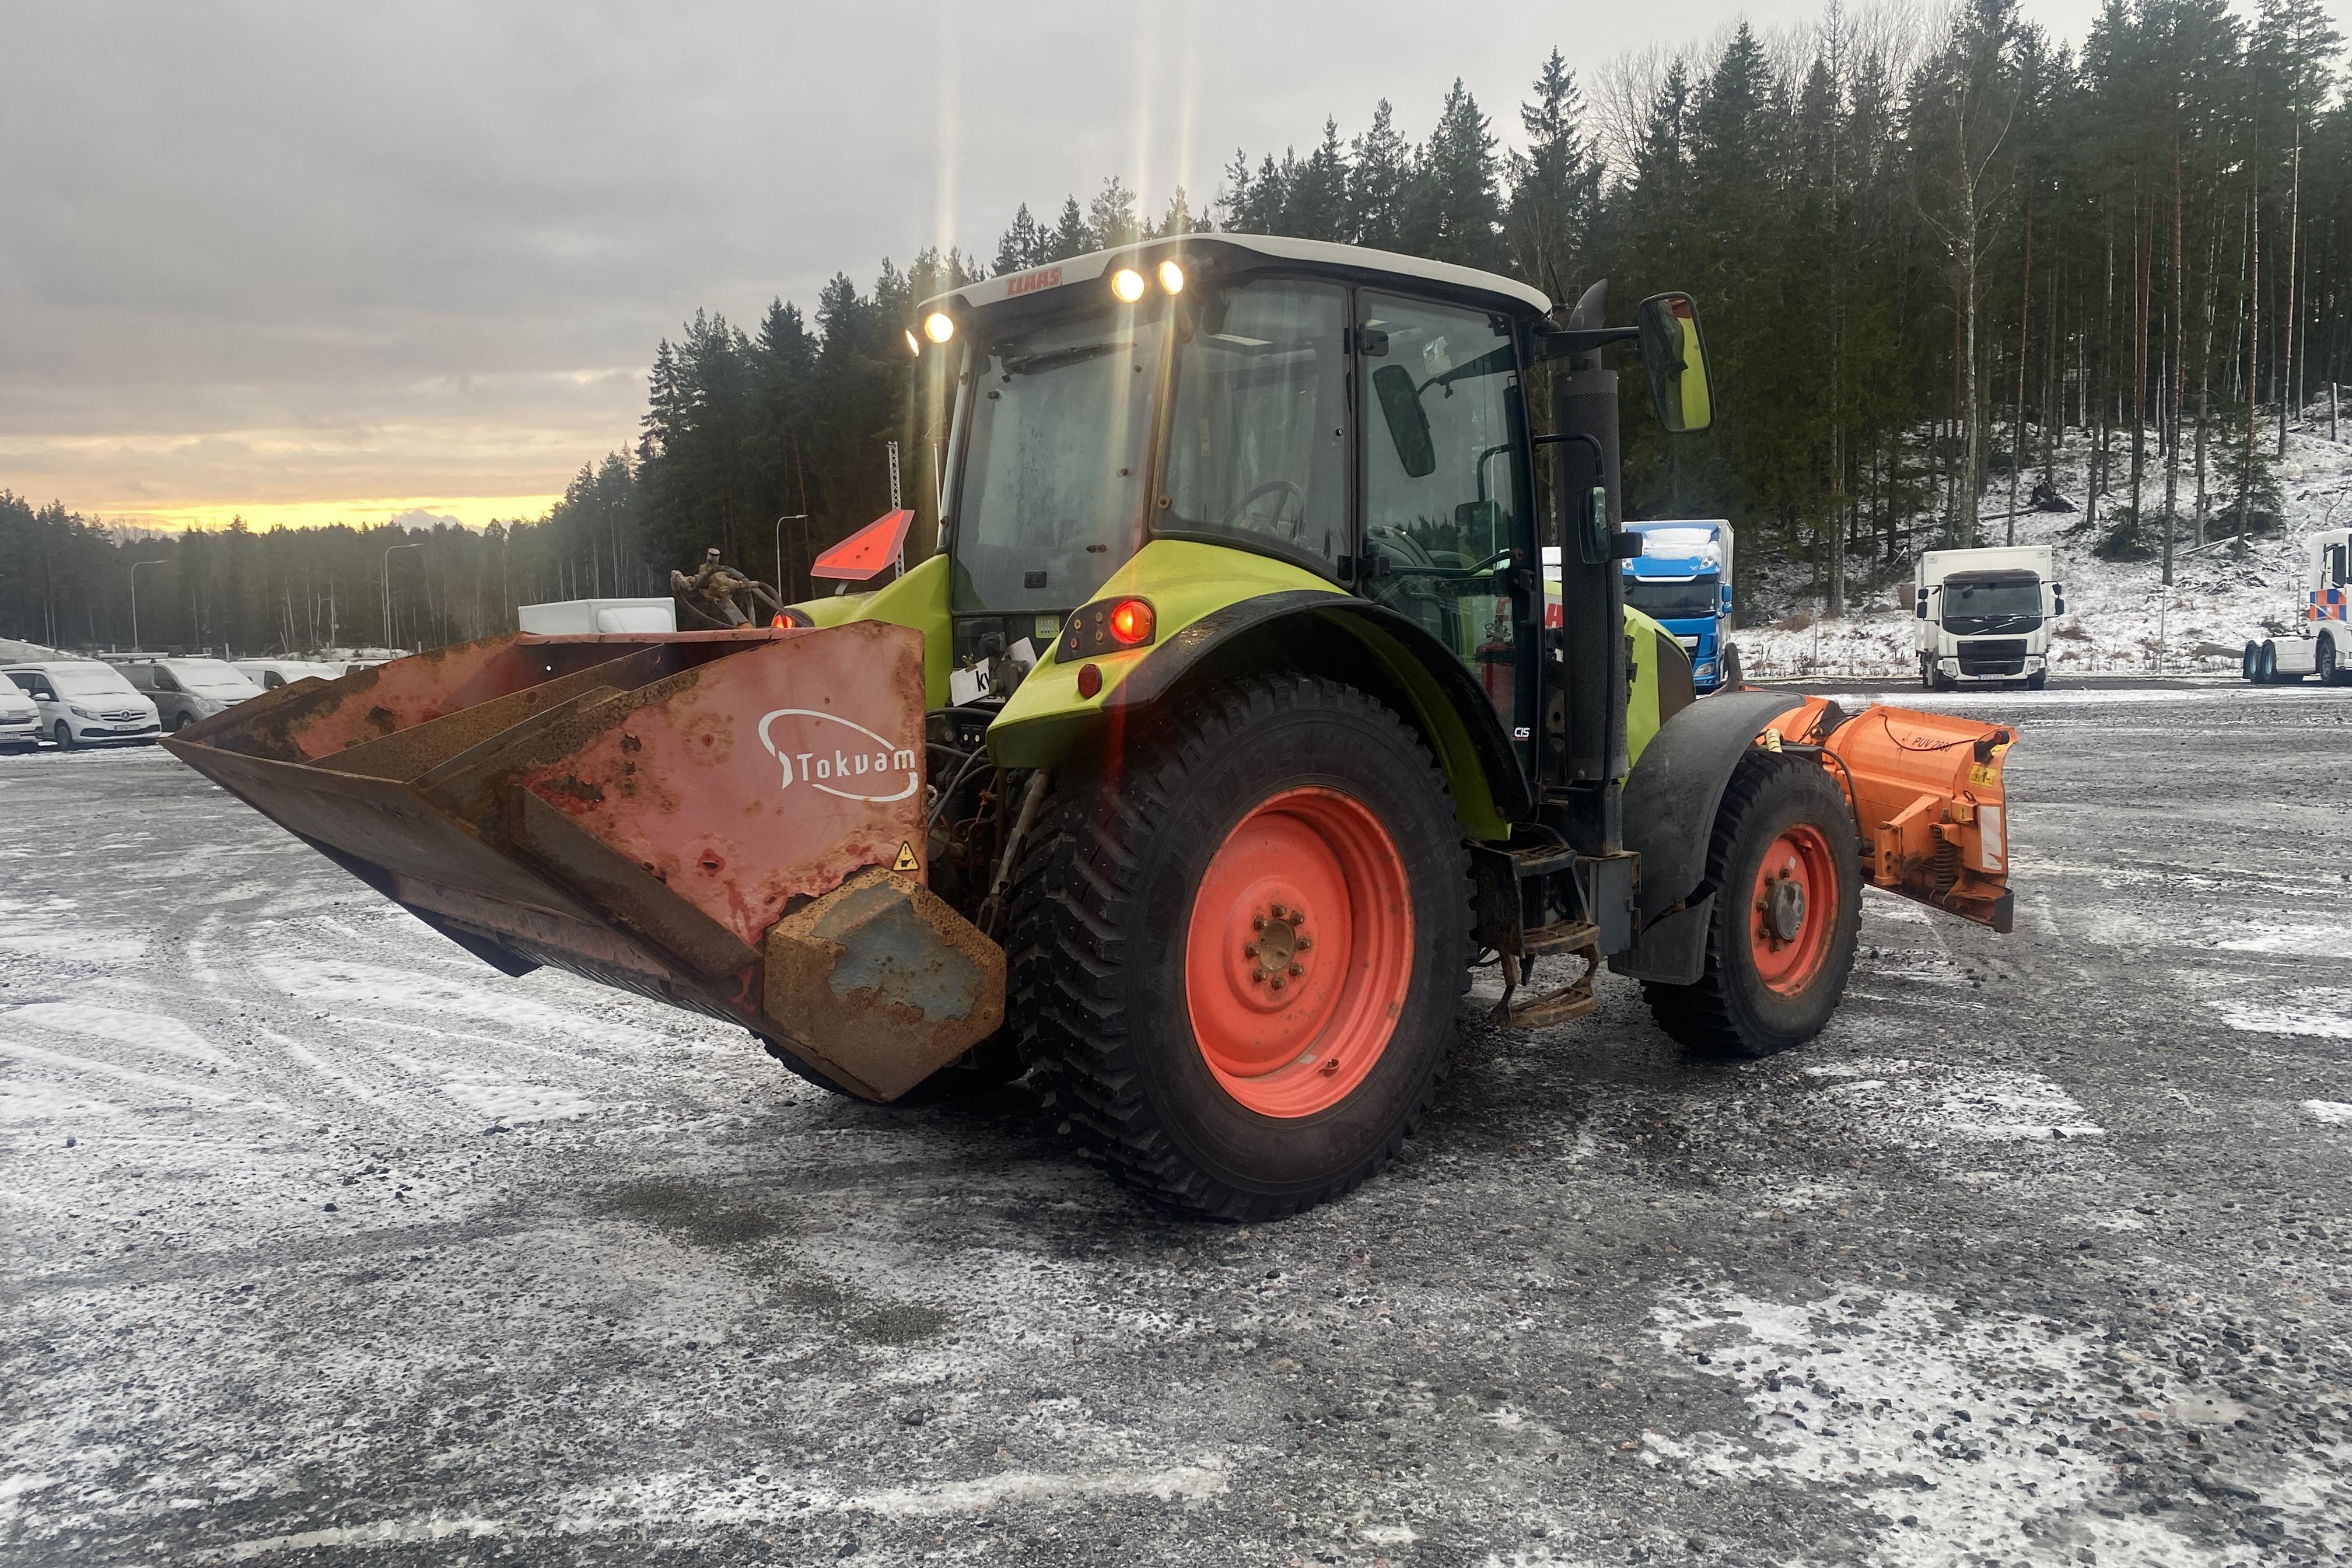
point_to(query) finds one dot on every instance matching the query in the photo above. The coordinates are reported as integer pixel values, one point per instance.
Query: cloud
(286, 253)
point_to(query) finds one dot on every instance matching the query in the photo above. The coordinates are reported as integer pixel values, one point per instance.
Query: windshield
(1057, 461)
(98, 680)
(1694, 600)
(1993, 598)
(212, 678)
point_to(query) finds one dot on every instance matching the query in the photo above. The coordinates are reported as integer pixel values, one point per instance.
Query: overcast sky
(311, 260)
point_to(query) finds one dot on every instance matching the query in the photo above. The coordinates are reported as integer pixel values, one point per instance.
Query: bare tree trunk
(2253, 345)
(2294, 211)
(2017, 409)
(1952, 440)
(2053, 401)
(2142, 225)
(2179, 371)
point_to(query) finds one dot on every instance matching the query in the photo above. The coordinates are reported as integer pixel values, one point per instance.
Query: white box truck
(579, 617)
(1984, 616)
(2321, 642)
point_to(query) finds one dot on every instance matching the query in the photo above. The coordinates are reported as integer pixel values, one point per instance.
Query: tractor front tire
(1238, 945)
(2327, 663)
(1787, 908)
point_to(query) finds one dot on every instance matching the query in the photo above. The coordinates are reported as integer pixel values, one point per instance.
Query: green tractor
(1231, 729)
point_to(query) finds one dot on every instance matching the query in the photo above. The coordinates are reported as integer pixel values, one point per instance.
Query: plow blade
(730, 821)
(1929, 802)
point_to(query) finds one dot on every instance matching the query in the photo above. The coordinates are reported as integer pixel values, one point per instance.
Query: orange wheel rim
(1793, 909)
(1298, 953)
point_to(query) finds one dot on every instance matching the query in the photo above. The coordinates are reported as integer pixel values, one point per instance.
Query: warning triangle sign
(905, 861)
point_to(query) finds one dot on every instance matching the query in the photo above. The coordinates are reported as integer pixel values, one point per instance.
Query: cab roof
(1232, 251)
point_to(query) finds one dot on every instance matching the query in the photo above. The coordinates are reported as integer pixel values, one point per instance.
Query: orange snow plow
(730, 821)
(1928, 804)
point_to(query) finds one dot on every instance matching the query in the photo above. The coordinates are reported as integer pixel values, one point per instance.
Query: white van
(84, 703)
(187, 691)
(270, 674)
(20, 722)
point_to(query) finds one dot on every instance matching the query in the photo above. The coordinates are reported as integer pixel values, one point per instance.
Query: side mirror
(1675, 357)
(1408, 421)
(1923, 603)
(2058, 604)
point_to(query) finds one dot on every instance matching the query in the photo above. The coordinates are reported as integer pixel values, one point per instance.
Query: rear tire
(2250, 664)
(2267, 674)
(1776, 960)
(1233, 1068)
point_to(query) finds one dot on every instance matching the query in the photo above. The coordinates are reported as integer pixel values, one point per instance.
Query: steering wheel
(1292, 493)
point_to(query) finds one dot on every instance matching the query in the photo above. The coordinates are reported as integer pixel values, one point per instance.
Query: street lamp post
(388, 644)
(135, 599)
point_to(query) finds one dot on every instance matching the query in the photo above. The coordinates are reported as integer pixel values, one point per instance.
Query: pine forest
(1927, 249)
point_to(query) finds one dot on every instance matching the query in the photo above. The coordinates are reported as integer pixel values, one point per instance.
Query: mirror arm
(1582, 341)
(1599, 454)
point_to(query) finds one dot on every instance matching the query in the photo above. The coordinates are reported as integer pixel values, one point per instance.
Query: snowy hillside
(2219, 600)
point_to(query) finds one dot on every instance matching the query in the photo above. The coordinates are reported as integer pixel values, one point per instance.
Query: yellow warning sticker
(905, 860)
(1984, 774)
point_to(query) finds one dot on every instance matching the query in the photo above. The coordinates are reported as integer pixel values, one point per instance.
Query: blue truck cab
(1681, 580)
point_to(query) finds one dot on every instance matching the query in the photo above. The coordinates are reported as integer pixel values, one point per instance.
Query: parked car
(270, 674)
(187, 689)
(83, 702)
(20, 722)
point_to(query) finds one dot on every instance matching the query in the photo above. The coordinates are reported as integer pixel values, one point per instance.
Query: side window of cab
(1443, 460)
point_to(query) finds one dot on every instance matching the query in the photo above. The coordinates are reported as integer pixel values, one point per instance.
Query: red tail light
(1130, 621)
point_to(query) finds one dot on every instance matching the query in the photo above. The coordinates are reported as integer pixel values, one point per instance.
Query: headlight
(939, 326)
(78, 711)
(1126, 283)
(1171, 278)
(1706, 668)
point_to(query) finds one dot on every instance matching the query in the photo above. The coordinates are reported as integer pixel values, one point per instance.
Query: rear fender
(1258, 614)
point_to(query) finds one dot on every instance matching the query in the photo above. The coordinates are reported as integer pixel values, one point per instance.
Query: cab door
(1448, 518)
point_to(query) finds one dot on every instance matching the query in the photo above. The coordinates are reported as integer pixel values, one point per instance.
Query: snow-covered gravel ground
(321, 1243)
(2115, 610)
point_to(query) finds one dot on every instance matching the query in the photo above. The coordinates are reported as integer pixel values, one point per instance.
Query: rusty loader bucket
(730, 821)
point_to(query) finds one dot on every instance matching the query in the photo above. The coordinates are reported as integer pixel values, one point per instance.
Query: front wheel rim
(1793, 909)
(1298, 952)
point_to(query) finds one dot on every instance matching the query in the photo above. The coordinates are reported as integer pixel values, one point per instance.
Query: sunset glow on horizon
(473, 511)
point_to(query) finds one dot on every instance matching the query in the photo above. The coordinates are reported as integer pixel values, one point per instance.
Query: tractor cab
(1322, 419)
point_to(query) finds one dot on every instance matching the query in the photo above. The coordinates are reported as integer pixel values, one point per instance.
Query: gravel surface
(320, 1241)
